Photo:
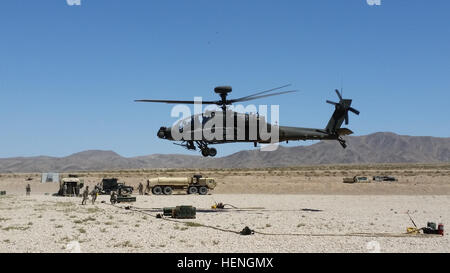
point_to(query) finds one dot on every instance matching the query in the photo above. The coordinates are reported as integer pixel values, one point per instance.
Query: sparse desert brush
(193, 224)
(23, 228)
(82, 230)
(93, 210)
(126, 244)
(64, 204)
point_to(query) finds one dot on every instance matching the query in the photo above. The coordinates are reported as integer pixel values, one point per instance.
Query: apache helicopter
(196, 123)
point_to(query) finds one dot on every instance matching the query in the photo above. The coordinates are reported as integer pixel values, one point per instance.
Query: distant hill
(374, 148)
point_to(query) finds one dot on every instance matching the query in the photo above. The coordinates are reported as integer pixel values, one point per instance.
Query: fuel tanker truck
(190, 185)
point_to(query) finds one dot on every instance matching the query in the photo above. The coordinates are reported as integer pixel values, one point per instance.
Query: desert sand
(299, 210)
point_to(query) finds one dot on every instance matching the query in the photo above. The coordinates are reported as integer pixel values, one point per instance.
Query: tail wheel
(167, 190)
(192, 190)
(203, 190)
(157, 190)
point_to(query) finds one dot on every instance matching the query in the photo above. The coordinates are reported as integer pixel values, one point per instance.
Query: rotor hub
(223, 89)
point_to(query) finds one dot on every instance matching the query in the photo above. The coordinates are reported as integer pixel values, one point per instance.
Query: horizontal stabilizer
(344, 131)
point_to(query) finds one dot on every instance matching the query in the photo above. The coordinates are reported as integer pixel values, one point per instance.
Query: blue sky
(69, 74)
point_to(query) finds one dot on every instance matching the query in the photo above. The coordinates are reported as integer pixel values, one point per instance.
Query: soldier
(64, 190)
(147, 188)
(141, 189)
(113, 198)
(94, 194)
(85, 196)
(28, 189)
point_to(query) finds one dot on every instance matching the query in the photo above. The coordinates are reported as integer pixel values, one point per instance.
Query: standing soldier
(94, 195)
(147, 188)
(113, 198)
(85, 196)
(28, 189)
(64, 189)
(141, 189)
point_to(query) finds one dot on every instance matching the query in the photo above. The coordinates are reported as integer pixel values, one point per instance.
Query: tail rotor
(342, 108)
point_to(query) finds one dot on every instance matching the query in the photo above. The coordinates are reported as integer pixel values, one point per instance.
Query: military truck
(190, 185)
(70, 186)
(356, 179)
(112, 184)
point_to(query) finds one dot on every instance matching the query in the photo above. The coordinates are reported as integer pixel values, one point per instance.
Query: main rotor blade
(332, 102)
(179, 101)
(263, 92)
(339, 94)
(353, 110)
(262, 96)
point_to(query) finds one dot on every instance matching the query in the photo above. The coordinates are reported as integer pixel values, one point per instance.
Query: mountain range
(382, 147)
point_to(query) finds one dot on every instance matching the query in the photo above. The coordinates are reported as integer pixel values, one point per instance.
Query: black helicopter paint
(332, 131)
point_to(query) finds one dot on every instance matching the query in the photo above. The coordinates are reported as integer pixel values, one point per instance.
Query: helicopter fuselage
(217, 127)
(244, 131)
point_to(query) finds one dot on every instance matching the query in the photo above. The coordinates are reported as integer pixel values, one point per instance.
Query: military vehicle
(70, 186)
(234, 126)
(190, 185)
(112, 184)
(356, 179)
(384, 178)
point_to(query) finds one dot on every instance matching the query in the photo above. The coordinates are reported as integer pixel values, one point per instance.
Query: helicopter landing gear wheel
(212, 152)
(203, 146)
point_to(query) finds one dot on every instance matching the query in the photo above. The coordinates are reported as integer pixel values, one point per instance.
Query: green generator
(180, 212)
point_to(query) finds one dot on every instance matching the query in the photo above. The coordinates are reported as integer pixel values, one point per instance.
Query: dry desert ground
(300, 209)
